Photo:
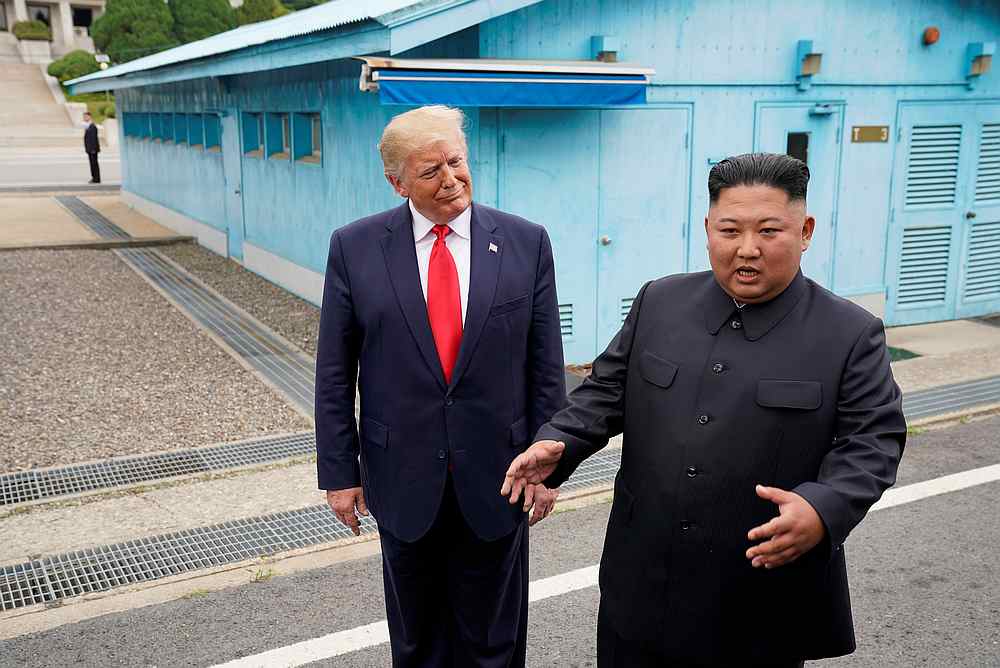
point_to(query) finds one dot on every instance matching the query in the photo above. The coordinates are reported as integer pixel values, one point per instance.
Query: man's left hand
(796, 530)
(540, 500)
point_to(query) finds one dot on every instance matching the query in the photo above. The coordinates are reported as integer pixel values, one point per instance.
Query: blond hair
(417, 129)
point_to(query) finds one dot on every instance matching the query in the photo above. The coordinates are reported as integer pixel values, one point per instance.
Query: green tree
(296, 5)
(131, 29)
(198, 19)
(253, 11)
(74, 64)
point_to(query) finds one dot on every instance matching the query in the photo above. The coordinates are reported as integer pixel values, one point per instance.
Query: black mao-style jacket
(91, 143)
(795, 393)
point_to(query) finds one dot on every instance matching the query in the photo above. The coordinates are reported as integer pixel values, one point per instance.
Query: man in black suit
(761, 422)
(443, 313)
(92, 145)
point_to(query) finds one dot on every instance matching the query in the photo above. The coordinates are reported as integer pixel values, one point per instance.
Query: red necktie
(444, 302)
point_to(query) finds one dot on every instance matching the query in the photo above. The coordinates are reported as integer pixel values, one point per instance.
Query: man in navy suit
(445, 314)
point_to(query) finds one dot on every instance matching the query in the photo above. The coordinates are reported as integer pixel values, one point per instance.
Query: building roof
(327, 16)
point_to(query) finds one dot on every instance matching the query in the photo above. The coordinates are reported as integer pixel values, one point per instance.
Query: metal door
(811, 132)
(644, 186)
(232, 167)
(549, 175)
(945, 218)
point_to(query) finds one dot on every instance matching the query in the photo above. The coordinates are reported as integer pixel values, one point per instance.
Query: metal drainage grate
(45, 483)
(290, 371)
(92, 218)
(951, 398)
(102, 568)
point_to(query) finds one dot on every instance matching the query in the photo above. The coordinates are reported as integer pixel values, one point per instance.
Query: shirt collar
(460, 225)
(758, 319)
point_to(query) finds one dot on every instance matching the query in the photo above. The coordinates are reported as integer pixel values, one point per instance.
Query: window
(180, 128)
(253, 135)
(307, 138)
(213, 133)
(798, 146)
(278, 136)
(196, 130)
(168, 127)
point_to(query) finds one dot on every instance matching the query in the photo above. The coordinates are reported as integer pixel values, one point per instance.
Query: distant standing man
(761, 422)
(92, 145)
(443, 313)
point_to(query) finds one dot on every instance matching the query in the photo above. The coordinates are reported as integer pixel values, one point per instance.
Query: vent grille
(923, 267)
(982, 270)
(566, 319)
(626, 307)
(988, 173)
(932, 171)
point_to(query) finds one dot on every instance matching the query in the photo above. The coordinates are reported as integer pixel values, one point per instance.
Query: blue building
(262, 140)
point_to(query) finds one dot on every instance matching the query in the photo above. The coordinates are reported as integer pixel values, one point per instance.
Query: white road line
(377, 633)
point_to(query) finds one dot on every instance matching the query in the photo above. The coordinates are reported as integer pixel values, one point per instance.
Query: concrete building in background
(261, 140)
(70, 20)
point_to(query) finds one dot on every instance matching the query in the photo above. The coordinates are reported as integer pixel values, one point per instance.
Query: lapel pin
(493, 247)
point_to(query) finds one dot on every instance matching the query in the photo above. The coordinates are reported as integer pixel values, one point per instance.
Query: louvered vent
(932, 172)
(566, 319)
(982, 270)
(923, 268)
(626, 307)
(988, 172)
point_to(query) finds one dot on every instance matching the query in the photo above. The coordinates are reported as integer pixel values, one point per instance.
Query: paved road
(925, 584)
(46, 167)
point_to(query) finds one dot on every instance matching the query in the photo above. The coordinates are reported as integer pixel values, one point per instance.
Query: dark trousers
(95, 169)
(454, 600)
(613, 651)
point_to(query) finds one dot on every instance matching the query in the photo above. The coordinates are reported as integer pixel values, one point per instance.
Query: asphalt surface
(925, 582)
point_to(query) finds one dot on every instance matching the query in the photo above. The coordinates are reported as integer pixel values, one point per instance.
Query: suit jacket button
(718, 367)
(449, 401)
(691, 471)
(685, 525)
(442, 454)
(736, 324)
(703, 419)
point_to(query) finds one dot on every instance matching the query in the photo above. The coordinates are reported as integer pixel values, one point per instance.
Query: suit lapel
(401, 260)
(484, 273)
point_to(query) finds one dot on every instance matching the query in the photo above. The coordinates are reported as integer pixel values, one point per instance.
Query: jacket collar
(758, 319)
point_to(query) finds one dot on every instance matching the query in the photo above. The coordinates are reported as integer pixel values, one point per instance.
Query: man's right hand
(343, 503)
(531, 467)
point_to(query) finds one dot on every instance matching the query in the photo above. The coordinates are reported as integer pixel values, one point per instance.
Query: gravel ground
(94, 363)
(295, 319)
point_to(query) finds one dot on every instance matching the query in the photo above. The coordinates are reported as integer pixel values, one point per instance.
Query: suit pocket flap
(657, 370)
(801, 394)
(374, 432)
(508, 306)
(519, 433)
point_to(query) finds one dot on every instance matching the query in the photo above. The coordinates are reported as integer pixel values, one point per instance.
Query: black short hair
(760, 169)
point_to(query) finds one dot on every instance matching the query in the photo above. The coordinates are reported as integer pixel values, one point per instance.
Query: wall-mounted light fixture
(808, 60)
(605, 48)
(979, 58)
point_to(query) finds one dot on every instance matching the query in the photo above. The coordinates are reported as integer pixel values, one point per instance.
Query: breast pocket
(803, 395)
(656, 370)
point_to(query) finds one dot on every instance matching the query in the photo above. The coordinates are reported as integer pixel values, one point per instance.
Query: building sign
(869, 133)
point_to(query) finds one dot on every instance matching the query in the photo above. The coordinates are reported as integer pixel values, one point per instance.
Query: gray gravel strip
(97, 364)
(295, 319)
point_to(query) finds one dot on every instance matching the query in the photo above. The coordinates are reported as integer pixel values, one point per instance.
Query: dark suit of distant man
(761, 422)
(92, 145)
(445, 312)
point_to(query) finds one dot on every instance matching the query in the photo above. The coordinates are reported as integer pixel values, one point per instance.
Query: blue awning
(496, 83)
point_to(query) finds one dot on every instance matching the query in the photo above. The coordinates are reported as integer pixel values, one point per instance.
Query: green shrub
(254, 11)
(131, 29)
(198, 19)
(74, 64)
(32, 30)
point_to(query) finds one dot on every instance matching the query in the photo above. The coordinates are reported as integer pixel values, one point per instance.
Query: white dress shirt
(459, 242)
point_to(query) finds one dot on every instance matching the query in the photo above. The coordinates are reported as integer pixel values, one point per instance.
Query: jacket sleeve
(869, 439)
(337, 445)
(547, 372)
(596, 409)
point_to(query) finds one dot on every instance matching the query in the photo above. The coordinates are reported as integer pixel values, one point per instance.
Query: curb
(100, 244)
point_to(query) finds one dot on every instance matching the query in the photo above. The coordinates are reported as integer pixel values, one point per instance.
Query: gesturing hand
(542, 499)
(796, 530)
(343, 502)
(531, 467)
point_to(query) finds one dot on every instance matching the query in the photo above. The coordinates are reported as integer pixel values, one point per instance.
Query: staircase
(8, 49)
(29, 116)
